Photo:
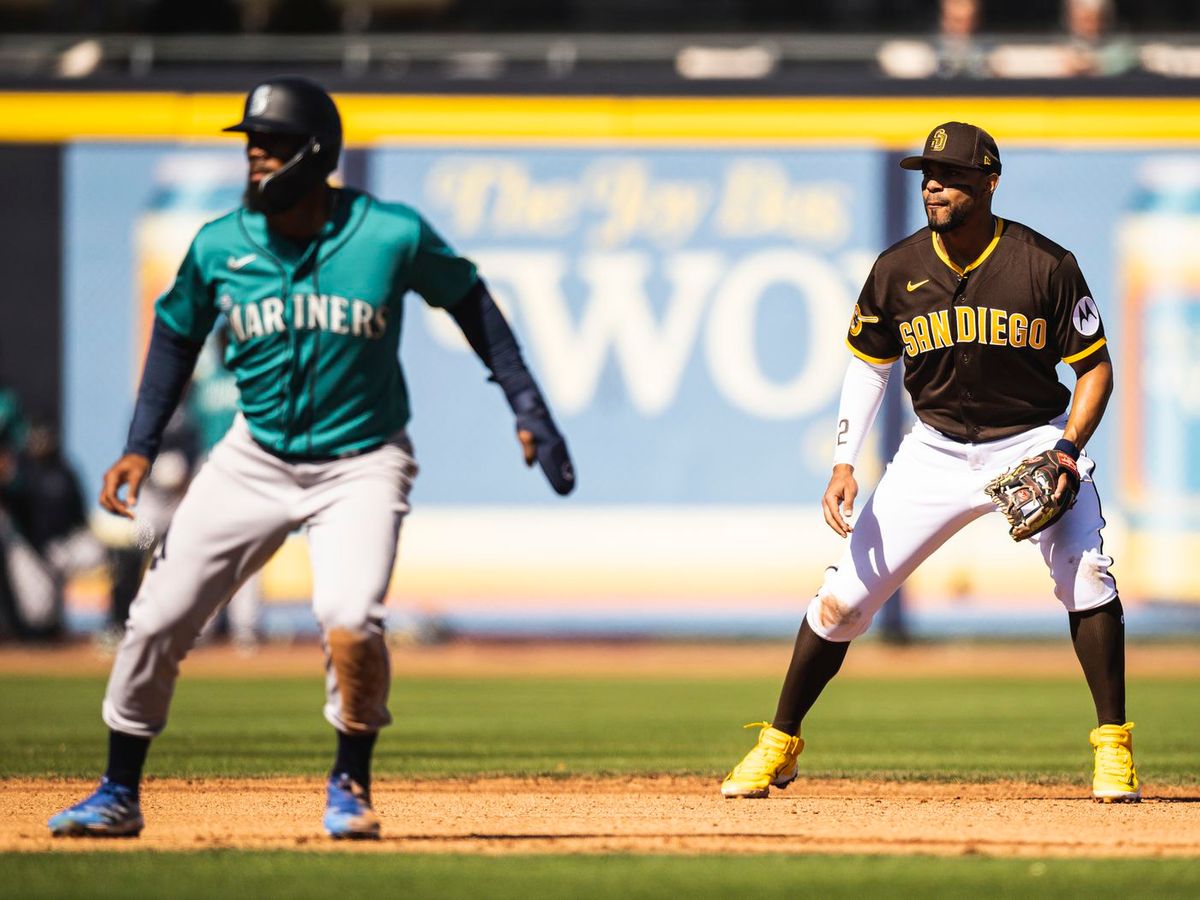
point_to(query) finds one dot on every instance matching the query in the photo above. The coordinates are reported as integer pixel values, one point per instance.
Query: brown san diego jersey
(980, 344)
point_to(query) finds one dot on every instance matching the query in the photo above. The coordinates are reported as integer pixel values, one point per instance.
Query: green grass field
(303, 875)
(946, 729)
(906, 729)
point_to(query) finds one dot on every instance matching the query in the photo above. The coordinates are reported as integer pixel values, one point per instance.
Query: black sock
(354, 757)
(1099, 639)
(126, 756)
(814, 662)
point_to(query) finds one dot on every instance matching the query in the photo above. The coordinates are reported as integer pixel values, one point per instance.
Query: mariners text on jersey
(981, 343)
(315, 325)
(338, 315)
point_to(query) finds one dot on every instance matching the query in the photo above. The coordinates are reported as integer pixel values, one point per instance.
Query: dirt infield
(634, 659)
(641, 814)
(638, 815)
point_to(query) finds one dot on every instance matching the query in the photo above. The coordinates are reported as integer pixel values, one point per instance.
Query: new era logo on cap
(960, 144)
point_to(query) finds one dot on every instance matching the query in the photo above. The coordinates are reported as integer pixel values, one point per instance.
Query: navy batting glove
(552, 454)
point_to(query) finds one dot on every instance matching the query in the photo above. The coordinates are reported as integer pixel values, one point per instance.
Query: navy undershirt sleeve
(169, 364)
(487, 331)
(493, 342)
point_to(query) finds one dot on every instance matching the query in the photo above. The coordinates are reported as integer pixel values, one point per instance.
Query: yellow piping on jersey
(987, 251)
(870, 359)
(1082, 354)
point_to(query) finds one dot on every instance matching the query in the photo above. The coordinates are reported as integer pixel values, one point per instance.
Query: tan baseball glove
(1025, 493)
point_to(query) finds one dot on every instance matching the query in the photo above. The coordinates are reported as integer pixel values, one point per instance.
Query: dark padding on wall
(30, 263)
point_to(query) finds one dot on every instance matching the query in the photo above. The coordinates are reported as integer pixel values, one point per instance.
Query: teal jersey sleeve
(439, 274)
(187, 307)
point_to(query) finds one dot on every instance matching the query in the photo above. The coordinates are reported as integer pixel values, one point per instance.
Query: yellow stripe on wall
(897, 123)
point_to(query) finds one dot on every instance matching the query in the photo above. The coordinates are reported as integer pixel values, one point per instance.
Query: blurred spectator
(12, 424)
(956, 51)
(1094, 49)
(1090, 47)
(50, 510)
(12, 436)
(44, 538)
(959, 52)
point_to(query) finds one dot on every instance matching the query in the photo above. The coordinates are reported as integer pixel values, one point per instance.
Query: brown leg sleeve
(360, 669)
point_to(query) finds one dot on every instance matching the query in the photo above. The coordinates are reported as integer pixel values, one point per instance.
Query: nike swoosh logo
(240, 262)
(912, 287)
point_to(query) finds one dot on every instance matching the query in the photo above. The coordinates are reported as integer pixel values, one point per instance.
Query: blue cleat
(348, 813)
(112, 811)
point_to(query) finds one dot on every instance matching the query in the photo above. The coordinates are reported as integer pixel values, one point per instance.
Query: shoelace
(760, 760)
(1114, 761)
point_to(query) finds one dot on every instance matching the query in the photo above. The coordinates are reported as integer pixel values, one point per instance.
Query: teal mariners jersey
(314, 328)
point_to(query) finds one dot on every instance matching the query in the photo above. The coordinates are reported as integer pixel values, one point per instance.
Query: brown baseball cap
(958, 144)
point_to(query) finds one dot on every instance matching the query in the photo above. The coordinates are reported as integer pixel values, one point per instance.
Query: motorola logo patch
(1086, 316)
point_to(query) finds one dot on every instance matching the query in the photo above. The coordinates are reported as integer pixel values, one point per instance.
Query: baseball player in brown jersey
(981, 310)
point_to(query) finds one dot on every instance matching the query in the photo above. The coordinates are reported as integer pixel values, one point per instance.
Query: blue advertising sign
(684, 310)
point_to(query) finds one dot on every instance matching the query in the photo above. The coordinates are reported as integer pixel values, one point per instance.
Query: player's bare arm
(1093, 387)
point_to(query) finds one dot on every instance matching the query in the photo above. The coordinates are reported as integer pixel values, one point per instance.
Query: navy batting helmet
(293, 105)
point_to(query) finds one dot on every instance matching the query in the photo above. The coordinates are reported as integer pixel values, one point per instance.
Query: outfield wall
(681, 272)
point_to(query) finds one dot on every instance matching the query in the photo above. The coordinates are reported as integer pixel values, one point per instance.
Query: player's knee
(344, 618)
(1083, 581)
(834, 619)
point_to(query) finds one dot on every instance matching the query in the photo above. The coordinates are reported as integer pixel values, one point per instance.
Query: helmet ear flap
(283, 188)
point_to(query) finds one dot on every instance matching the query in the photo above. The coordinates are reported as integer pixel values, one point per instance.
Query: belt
(300, 458)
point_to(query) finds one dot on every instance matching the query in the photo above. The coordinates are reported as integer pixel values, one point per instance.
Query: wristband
(1067, 447)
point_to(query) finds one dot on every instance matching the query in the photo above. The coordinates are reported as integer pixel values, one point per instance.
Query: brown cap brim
(915, 164)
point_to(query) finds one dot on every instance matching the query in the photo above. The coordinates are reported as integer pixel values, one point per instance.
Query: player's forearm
(492, 340)
(862, 395)
(1092, 390)
(488, 333)
(169, 364)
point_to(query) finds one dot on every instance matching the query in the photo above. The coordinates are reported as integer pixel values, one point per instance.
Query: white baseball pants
(931, 489)
(237, 512)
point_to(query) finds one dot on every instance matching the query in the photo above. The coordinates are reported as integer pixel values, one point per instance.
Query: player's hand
(541, 440)
(129, 472)
(528, 445)
(838, 501)
(1064, 485)
(542, 443)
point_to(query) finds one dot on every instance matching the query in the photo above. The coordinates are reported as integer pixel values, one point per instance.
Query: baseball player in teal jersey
(311, 280)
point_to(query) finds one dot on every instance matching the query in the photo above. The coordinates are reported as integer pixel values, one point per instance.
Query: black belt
(300, 458)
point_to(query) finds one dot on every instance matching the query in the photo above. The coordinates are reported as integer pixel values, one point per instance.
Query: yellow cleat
(1115, 779)
(772, 761)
